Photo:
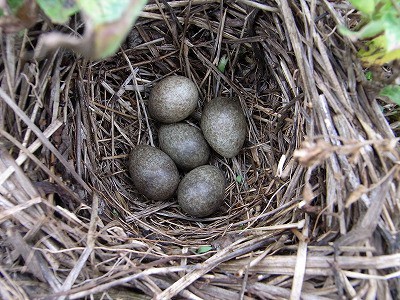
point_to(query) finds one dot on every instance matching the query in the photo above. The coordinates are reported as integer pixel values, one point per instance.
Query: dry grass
(315, 217)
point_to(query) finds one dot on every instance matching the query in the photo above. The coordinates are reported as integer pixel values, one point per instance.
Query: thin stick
(91, 238)
(300, 267)
(43, 138)
(39, 163)
(22, 157)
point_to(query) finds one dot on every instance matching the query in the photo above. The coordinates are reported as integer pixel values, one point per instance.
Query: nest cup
(312, 201)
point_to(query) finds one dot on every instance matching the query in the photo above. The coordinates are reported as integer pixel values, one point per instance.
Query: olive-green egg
(201, 191)
(224, 126)
(153, 172)
(185, 144)
(173, 99)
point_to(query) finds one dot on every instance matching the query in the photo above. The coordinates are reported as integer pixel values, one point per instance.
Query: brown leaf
(99, 39)
(311, 209)
(313, 153)
(254, 155)
(308, 194)
(355, 195)
(225, 241)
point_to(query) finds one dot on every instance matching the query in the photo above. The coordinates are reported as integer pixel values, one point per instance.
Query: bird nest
(312, 200)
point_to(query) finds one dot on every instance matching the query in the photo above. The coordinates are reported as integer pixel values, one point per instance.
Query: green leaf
(204, 249)
(115, 213)
(364, 6)
(104, 11)
(239, 178)
(58, 11)
(382, 8)
(15, 5)
(222, 63)
(392, 92)
(112, 20)
(370, 30)
(368, 75)
(375, 53)
(373, 9)
(380, 58)
(392, 31)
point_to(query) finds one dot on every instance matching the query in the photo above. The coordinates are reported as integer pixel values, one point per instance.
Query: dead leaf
(308, 194)
(311, 153)
(311, 209)
(225, 241)
(99, 40)
(355, 195)
(254, 155)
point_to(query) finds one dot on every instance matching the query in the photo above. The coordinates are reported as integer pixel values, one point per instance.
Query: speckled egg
(185, 144)
(201, 191)
(153, 172)
(173, 99)
(224, 126)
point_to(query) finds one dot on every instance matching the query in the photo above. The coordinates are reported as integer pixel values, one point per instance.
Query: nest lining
(312, 199)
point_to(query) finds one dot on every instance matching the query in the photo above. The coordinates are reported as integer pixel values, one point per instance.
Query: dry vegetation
(315, 215)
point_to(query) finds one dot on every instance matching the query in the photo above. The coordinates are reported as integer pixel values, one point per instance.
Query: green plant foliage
(382, 27)
(104, 11)
(365, 6)
(203, 249)
(112, 20)
(59, 11)
(239, 179)
(392, 92)
(107, 23)
(392, 31)
(374, 52)
(222, 63)
(15, 4)
(369, 30)
(368, 75)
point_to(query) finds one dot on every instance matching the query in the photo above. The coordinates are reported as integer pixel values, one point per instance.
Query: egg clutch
(155, 172)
